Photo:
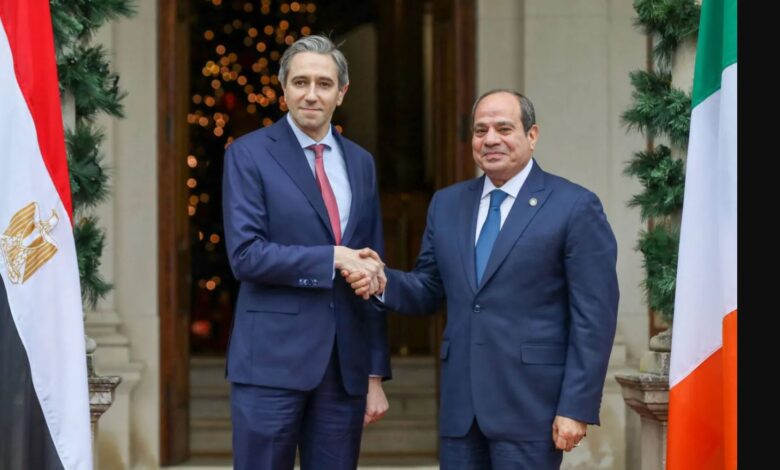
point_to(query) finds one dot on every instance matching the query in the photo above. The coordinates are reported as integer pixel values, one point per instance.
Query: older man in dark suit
(526, 262)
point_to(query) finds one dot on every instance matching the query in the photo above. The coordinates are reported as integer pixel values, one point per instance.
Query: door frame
(173, 230)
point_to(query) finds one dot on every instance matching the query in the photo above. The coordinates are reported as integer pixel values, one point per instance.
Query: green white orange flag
(44, 399)
(703, 370)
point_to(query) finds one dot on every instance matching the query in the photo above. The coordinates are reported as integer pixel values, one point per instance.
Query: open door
(173, 223)
(454, 90)
(447, 88)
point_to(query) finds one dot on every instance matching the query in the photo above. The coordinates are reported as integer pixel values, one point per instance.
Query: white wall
(126, 323)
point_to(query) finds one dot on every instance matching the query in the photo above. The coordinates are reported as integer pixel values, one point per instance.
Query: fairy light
(237, 45)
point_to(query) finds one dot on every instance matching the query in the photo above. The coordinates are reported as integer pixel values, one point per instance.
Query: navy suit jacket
(290, 307)
(533, 340)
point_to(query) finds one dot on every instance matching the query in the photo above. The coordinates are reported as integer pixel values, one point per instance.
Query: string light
(238, 45)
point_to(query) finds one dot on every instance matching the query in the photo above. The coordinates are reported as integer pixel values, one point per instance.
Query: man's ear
(533, 135)
(342, 92)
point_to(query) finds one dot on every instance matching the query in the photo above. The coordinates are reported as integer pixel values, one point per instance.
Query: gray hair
(320, 45)
(527, 113)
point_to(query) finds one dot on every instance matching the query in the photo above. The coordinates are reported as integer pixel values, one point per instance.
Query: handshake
(362, 269)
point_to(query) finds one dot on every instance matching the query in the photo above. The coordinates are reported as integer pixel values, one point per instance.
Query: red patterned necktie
(327, 191)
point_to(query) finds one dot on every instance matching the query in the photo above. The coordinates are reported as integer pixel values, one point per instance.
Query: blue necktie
(489, 231)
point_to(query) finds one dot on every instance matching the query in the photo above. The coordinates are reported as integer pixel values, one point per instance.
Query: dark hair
(527, 113)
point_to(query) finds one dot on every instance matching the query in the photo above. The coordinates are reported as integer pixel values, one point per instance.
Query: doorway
(412, 84)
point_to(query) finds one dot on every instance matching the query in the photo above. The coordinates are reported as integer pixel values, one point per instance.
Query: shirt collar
(305, 141)
(513, 185)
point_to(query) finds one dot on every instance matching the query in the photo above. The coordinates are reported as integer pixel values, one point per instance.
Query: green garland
(659, 247)
(659, 110)
(663, 178)
(668, 22)
(84, 74)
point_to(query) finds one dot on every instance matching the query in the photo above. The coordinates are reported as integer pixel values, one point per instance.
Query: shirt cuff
(334, 264)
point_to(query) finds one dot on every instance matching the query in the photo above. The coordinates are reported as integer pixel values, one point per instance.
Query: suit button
(332, 306)
(477, 308)
(314, 282)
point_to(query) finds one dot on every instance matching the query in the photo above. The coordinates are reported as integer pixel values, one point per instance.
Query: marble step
(407, 431)
(417, 437)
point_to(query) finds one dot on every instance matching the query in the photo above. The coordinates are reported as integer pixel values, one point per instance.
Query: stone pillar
(101, 395)
(113, 446)
(647, 393)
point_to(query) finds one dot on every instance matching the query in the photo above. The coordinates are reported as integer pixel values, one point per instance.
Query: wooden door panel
(173, 227)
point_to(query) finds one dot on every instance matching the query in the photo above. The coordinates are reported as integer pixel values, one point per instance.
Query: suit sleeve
(379, 362)
(590, 261)
(253, 257)
(419, 291)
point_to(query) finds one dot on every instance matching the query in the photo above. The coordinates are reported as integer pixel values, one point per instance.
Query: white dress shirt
(335, 168)
(511, 187)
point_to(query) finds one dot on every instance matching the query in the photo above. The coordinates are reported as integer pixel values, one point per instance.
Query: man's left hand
(567, 433)
(376, 402)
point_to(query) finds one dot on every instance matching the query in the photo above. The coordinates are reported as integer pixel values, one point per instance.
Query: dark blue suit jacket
(290, 306)
(533, 339)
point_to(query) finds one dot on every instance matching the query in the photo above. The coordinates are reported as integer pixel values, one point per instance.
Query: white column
(125, 324)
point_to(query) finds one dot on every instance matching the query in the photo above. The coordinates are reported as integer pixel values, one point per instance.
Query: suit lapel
(518, 219)
(291, 158)
(469, 202)
(352, 162)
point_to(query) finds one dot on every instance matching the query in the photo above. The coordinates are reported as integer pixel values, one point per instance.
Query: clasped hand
(363, 269)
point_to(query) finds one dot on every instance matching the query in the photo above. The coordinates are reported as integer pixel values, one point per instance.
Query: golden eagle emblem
(26, 244)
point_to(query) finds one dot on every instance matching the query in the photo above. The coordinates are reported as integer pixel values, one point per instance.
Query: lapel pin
(532, 202)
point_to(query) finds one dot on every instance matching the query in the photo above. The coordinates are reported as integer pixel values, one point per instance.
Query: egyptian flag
(703, 370)
(44, 398)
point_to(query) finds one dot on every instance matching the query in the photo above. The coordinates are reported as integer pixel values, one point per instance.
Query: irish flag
(703, 372)
(44, 399)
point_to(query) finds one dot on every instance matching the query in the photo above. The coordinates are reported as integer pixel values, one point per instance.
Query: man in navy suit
(526, 262)
(306, 357)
